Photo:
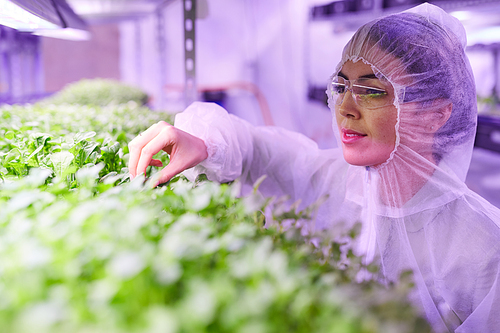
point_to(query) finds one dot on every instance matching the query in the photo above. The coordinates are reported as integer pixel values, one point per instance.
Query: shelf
(488, 133)
(365, 10)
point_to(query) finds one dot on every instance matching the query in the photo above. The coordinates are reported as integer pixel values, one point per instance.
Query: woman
(404, 101)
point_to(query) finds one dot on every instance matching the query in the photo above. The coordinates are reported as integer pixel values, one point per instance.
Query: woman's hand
(185, 151)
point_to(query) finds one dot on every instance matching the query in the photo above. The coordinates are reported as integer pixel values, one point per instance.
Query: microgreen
(84, 249)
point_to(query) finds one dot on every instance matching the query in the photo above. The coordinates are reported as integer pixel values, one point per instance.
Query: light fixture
(13, 16)
(50, 18)
(65, 33)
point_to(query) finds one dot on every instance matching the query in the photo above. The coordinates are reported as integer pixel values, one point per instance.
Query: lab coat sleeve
(293, 164)
(227, 139)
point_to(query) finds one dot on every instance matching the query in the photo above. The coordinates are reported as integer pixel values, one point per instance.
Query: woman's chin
(372, 155)
(365, 161)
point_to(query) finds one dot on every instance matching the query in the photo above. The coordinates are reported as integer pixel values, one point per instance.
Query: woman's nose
(348, 108)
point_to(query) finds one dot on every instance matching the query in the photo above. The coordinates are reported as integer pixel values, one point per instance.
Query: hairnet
(422, 53)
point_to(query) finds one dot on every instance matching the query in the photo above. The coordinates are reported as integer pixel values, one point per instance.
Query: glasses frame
(351, 85)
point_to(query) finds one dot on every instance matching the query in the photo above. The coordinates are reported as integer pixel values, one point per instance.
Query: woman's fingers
(183, 157)
(185, 151)
(138, 143)
(164, 138)
(167, 173)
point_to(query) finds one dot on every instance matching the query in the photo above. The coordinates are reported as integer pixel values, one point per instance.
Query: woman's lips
(350, 136)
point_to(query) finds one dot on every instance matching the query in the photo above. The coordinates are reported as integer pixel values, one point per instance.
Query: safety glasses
(367, 93)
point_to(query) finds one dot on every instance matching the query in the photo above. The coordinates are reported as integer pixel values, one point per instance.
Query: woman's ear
(439, 114)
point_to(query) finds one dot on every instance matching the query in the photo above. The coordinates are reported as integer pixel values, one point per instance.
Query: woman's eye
(338, 88)
(376, 92)
(373, 92)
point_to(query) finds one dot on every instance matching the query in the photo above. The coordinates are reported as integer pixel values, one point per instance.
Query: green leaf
(89, 149)
(61, 161)
(9, 135)
(113, 149)
(36, 151)
(12, 155)
(83, 136)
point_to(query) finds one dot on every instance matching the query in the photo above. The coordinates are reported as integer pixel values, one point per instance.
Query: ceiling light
(13, 16)
(66, 33)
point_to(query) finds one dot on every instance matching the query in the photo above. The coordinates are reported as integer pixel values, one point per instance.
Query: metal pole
(190, 93)
(138, 52)
(160, 34)
(496, 99)
(38, 69)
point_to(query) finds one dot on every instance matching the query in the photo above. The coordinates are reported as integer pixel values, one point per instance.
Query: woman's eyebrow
(367, 76)
(342, 75)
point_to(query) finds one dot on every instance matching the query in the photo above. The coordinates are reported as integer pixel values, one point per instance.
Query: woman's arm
(293, 163)
(206, 139)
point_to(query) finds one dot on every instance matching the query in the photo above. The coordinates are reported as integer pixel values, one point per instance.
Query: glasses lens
(367, 93)
(371, 93)
(338, 91)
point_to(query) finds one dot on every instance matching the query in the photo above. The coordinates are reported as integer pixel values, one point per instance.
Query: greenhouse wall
(68, 61)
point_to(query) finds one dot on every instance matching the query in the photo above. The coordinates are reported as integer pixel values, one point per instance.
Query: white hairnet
(421, 52)
(415, 209)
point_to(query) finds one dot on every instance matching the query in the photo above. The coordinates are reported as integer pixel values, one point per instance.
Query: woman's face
(368, 136)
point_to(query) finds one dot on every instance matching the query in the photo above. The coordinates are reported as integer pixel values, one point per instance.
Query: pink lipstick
(349, 136)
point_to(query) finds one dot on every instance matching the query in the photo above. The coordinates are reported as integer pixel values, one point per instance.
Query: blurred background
(267, 61)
